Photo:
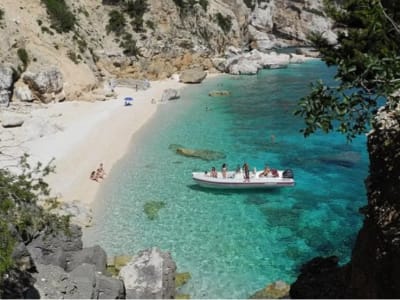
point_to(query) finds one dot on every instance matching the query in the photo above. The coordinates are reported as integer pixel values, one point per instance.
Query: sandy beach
(81, 135)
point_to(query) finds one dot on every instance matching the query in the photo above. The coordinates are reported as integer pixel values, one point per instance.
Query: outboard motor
(288, 173)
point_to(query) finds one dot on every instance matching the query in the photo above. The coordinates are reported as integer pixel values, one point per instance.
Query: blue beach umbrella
(128, 100)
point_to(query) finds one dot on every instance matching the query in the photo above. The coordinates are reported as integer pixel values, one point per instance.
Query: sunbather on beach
(93, 176)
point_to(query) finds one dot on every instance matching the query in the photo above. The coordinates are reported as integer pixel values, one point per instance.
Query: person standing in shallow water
(246, 172)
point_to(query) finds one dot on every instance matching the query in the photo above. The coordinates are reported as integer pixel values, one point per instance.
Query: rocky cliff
(374, 269)
(107, 39)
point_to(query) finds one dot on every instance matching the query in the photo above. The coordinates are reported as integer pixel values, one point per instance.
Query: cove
(234, 243)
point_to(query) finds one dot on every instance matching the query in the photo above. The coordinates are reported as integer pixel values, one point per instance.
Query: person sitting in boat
(274, 173)
(266, 172)
(223, 170)
(214, 172)
(246, 172)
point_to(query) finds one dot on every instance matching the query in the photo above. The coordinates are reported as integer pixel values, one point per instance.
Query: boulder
(47, 85)
(80, 214)
(11, 119)
(24, 94)
(6, 83)
(109, 288)
(70, 241)
(93, 255)
(55, 257)
(84, 278)
(196, 75)
(169, 94)
(52, 282)
(151, 274)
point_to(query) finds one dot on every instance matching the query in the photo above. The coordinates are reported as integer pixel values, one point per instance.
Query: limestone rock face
(150, 275)
(6, 83)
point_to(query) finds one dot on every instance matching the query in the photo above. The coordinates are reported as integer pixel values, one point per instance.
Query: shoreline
(92, 133)
(84, 134)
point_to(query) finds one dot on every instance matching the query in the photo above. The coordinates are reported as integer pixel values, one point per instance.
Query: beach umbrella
(128, 100)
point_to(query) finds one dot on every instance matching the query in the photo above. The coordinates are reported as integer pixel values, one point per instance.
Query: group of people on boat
(98, 174)
(245, 170)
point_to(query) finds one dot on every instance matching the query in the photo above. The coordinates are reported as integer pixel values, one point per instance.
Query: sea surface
(235, 243)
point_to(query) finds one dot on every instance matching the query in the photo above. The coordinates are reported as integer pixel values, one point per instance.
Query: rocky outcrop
(196, 75)
(47, 85)
(374, 269)
(150, 275)
(249, 63)
(169, 94)
(6, 84)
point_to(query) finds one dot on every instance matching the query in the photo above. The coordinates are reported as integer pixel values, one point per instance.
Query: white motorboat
(236, 180)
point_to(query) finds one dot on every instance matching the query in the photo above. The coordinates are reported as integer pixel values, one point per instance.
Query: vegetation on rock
(62, 19)
(23, 56)
(21, 217)
(224, 22)
(368, 68)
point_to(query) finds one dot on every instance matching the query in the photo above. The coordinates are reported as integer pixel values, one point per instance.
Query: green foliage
(151, 209)
(224, 22)
(1, 14)
(130, 47)
(136, 9)
(62, 19)
(151, 24)
(250, 4)
(204, 4)
(116, 23)
(23, 56)
(367, 57)
(19, 195)
(185, 6)
(6, 247)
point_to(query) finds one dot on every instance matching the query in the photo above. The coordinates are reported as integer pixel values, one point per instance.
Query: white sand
(92, 133)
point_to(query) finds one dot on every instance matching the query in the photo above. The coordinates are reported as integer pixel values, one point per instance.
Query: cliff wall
(171, 38)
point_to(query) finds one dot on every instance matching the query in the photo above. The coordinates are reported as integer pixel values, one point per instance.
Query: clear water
(234, 243)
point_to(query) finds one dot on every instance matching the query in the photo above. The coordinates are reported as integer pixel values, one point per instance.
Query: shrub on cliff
(62, 19)
(224, 22)
(116, 22)
(21, 217)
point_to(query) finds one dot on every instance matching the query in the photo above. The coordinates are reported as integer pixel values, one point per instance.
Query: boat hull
(237, 181)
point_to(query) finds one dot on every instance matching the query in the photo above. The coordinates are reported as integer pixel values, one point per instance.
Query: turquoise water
(234, 243)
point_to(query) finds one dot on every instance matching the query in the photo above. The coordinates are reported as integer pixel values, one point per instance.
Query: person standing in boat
(223, 170)
(246, 172)
(214, 172)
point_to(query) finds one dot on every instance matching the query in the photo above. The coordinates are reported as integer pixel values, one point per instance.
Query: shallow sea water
(234, 243)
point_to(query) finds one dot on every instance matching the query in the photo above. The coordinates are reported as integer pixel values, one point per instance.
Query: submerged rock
(151, 208)
(345, 159)
(203, 154)
(181, 279)
(276, 290)
(219, 93)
